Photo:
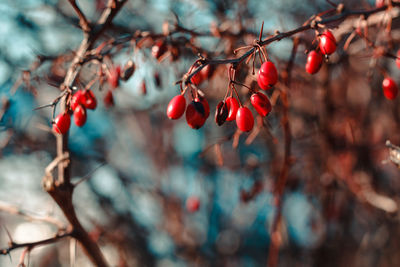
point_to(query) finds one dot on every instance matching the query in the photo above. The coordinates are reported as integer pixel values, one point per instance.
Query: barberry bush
(209, 133)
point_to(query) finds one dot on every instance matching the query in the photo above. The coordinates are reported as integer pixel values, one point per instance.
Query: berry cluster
(80, 101)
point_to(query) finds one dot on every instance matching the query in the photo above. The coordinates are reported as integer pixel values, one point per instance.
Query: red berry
(108, 99)
(80, 115)
(327, 43)
(262, 81)
(195, 115)
(379, 3)
(176, 107)
(77, 99)
(197, 78)
(314, 62)
(202, 75)
(233, 107)
(261, 103)
(90, 100)
(193, 204)
(268, 73)
(398, 59)
(113, 77)
(244, 119)
(62, 123)
(159, 49)
(390, 88)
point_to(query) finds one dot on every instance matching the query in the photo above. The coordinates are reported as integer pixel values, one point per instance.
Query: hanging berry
(176, 107)
(62, 123)
(327, 43)
(108, 99)
(390, 88)
(244, 119)
(89, 99)
(80, 115)
(221, 113)
(77, 99)
(195, 114)
(261, 103)
(267, 75)
(398, 59)
(233, 107)
(314, 62)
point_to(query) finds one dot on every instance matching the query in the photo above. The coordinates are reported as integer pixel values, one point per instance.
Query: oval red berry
(261, 104)
(195, 115)
(233, 107)
(77, 99)
(390, 88)
(327, 43)
(314, 62)
(244, 119)
(176, 107)
(80, 115)
(62, 123)
(90, 99)
(269, 73)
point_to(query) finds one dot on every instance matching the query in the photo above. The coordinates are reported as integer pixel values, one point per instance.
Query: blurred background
(148, 174)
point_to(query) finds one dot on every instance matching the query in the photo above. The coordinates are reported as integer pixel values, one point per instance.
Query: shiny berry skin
(108, 99)
(314, 62)
(80, 115)
(390, 88)
(195, 115)
(77, 99)
(62, 123)
(90, 100)
(176, 107)
(233, 107)
(261, 103)
(327, 43)
(398, 59)
(193, 204)
(261, 80)
(244, 119)
(268, 74)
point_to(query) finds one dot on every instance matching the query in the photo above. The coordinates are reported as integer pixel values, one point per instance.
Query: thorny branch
(30, 245)
(313, 24)
(61, 188)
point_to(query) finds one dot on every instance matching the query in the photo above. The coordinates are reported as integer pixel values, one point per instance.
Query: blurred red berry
(80, 115)
(89, 99)
(77, 99)
(108, 99)
(193, 204)
(398, 59)
(390, 88)
(62, 123)
(158, 49)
